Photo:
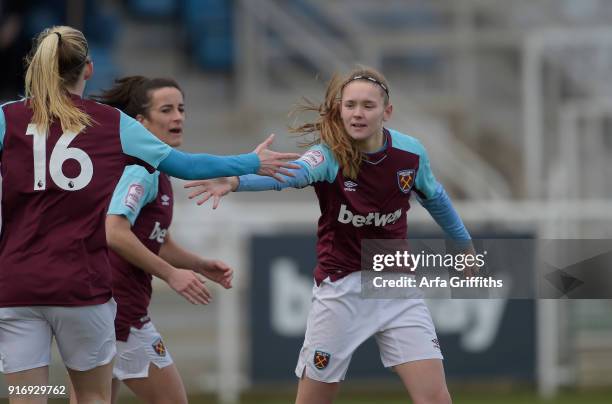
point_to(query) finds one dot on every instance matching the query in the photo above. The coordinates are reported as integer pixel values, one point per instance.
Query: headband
(370, 78)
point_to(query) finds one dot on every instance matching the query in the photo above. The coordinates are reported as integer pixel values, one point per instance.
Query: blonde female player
(61, 157)
(362, 173)
(141, 246)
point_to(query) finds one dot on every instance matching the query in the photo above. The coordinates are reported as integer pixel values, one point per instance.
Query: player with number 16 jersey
(58, 257)
(56, 188)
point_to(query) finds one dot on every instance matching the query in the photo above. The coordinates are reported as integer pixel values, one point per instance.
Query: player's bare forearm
(123, 241)
(178, 256)
(213, 269)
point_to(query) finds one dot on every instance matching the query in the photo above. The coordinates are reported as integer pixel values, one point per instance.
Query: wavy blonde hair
(55, 63)
(329, 129)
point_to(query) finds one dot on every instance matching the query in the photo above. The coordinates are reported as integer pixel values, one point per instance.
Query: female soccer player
(137, 233)
(363, 175)
(61, 157)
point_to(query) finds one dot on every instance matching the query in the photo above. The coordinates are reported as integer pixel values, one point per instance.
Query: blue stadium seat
(214, 52)
(102, 25)
(41, 17)
(208, 25)
(104, 67)
(153, 8)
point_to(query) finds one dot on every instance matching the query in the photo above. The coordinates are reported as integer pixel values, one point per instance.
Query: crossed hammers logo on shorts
(159, 348)
(321, 359)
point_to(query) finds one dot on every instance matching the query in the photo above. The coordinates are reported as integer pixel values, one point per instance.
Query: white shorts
(340, 320)
(143, 347)
(85, 336)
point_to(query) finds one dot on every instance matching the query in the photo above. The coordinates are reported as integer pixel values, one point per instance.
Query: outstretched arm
(215, 270)
(202, 166)
(297, 178)
(220, 187)
(138, 142)
(316, 165)
(262, 161)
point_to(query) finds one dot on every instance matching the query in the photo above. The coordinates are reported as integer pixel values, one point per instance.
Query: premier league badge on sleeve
(405, 180)
(313, 158)
(321, 359)
(135, 193)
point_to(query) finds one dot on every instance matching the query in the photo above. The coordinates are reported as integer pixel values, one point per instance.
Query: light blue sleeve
(136, 188)
(3, 121)
(2, 127)
(320, 164)
(425, 183)
(443, 212)
(202, 166)
(253, 182)
(316, 165)
(137, 141)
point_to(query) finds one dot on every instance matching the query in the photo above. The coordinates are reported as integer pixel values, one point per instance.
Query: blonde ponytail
(56, 63)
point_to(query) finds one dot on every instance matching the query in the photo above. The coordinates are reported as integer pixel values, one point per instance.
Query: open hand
(272, 163)
(217, 271)
(187, 284)
(216, 189)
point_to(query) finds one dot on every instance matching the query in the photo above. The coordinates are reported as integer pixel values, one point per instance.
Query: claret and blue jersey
(56, 187)
(372, 206)
(55, 191)
(146, 200)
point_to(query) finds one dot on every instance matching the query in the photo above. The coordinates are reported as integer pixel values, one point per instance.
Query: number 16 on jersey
(61, 152)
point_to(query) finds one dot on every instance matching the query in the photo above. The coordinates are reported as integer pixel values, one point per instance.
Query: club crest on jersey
(313, 158)
(134, 194)
(159, 347)
(165, 200)
(321, 359)
(405, 180)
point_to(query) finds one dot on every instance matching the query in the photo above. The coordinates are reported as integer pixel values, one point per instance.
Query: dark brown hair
(132, 94)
